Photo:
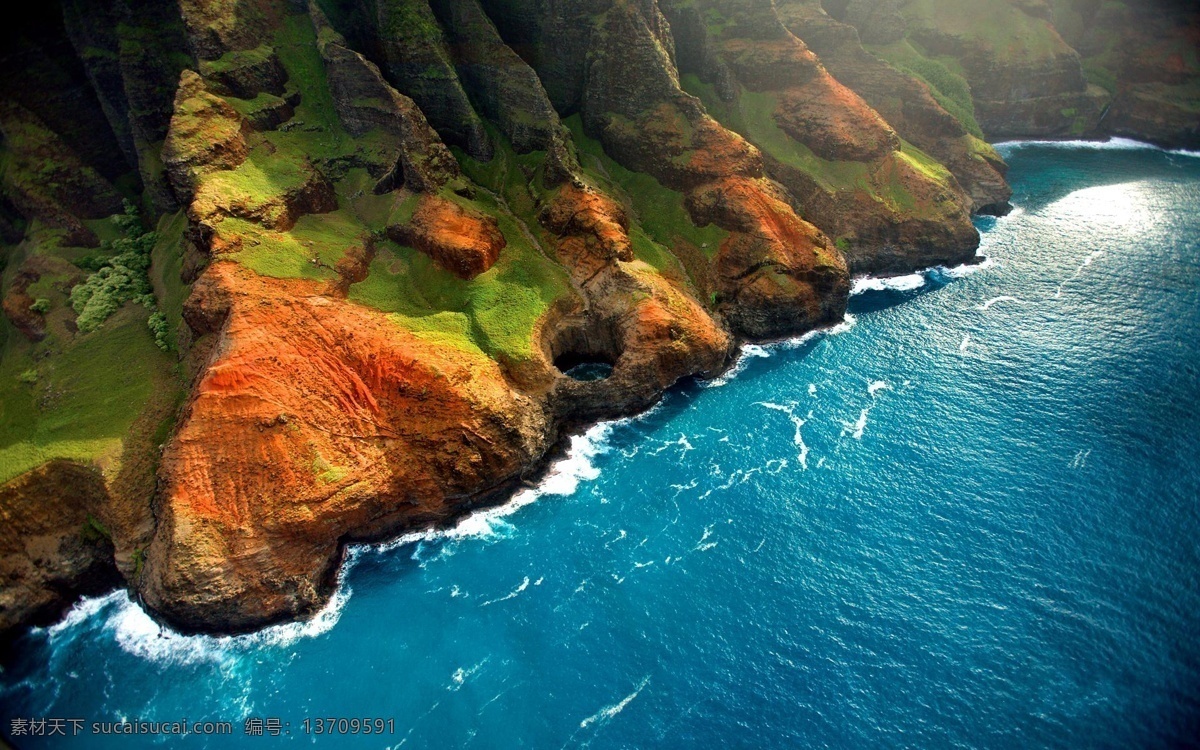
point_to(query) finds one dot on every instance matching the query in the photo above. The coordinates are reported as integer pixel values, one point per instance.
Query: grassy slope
(657, 211)
(943, 77)
(166, 263)
(1007, 31)
(752, 115)
(75, 396)
(496, 312)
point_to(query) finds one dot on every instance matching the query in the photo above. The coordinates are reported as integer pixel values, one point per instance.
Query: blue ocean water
(969, 518)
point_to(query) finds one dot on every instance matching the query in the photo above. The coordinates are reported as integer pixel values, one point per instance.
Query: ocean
(968, 517)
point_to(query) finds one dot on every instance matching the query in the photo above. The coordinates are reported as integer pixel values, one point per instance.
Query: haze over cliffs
(281, 276)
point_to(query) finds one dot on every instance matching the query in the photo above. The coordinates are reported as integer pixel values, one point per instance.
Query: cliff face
(1045, 68)
(364, 240)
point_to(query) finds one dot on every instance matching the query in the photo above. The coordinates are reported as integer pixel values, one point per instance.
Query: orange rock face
(775, 270)
(465, 242)
(316, 420)
(834, 121)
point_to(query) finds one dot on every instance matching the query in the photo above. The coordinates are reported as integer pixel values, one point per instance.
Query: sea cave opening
(583, 367)
(585, 350)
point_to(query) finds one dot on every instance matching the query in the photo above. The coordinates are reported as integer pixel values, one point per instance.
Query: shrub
(121, 277)
(41, 306)
(161, 330)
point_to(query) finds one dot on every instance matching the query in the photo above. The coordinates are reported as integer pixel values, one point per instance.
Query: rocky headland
(284, 275)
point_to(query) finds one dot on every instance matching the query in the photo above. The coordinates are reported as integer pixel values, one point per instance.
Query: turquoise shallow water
(969, 519)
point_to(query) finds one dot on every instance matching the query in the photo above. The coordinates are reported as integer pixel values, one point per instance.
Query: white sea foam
(766, 350)
(748, 352)
(682, 443)
(460, 676)
(906, 283)
(965, 343)
(136, 633)
(562, 479)
(875, 386)
(798, 423)
(919, 279)
(966, 269)
(857, 428)
(608, 712)
(510, 595)
(704, 545)
(812, 389)
(83, 610)
(1113, 144)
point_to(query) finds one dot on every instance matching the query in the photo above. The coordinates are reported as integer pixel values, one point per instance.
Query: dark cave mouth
(586, 368)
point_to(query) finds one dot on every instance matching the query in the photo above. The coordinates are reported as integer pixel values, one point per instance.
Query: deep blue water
(970, 519)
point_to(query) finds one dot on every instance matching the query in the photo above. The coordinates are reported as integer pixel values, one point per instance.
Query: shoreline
(516, 492)
(558, 473)
(1112, 143)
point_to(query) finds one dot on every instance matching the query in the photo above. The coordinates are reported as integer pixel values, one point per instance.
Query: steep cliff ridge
(281, 276)
(1066, 68)
(1144, 55)
(919, 111)
(887, 205)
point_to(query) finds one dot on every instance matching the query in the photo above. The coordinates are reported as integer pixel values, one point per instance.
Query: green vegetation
(252, 108)
(94, 530)
(410, 20)
(1007, 31)
(296, 49)
(162, 331)
(120, 278)
(166, 267)
(496, 312)
(235, 60)
(310, 250)
(326, 473)
(947, 85)
(658, 210)
(78, 393)
(753, 116)
(77, 397)
(924, 163)
(1098, 72)
(257, 183)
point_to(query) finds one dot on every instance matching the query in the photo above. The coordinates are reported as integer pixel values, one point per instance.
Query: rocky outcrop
(462, 240)
(54, 547)
(1144, 56)
(206, 135)
(500, 84)
(365, 101)
(905, 101)
(649, 123)
(246, 73)
(45, 179)
(842, 164)
(217, 28)
(649, 330)
(416, 61)
(318, 421)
